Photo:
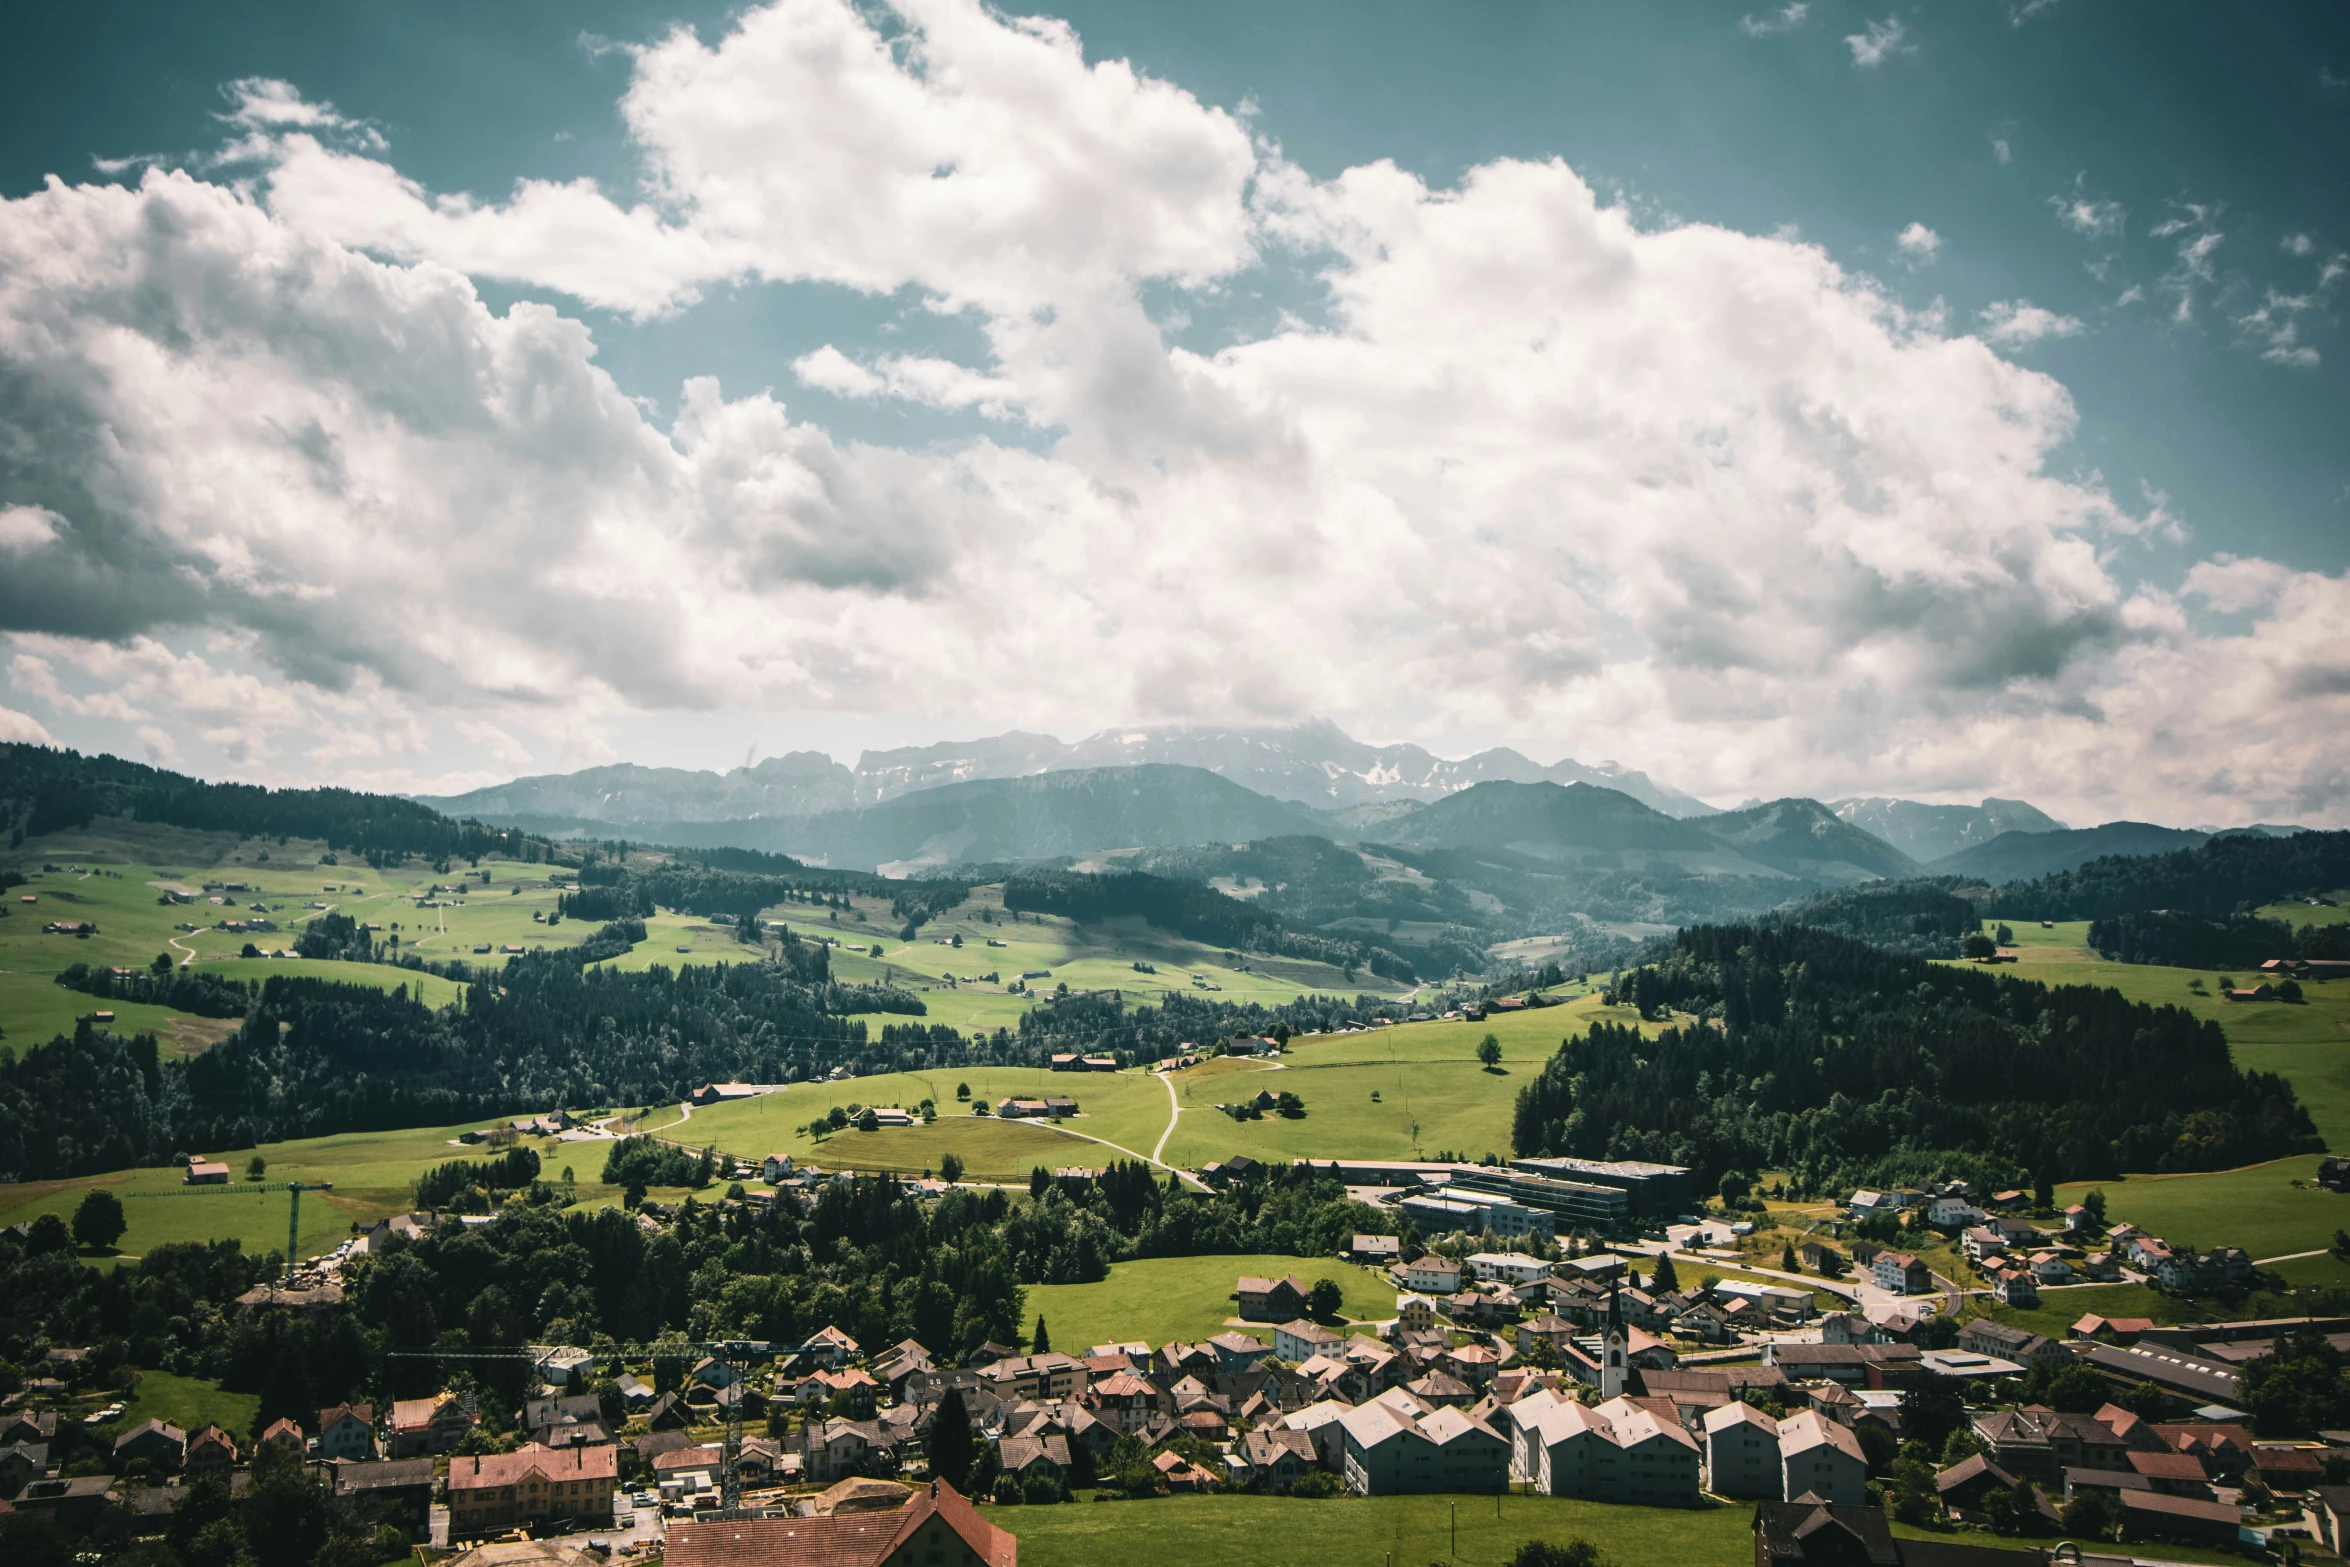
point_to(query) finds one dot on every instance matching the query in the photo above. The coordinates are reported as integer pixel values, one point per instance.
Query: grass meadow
(373, 1174)
(191, 1405)
(1158, 1299)
(1128, 1109)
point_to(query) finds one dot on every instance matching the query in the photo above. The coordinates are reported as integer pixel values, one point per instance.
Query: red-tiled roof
(598, 1462)
(842, 1540)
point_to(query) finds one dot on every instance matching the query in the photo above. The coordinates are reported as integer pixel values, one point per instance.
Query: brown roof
(597, 1462)
(842, 1540)
(2182, 1507)
(2167, 1466)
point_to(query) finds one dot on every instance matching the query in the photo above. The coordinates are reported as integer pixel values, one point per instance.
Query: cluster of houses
(347, 1442)
(2017, 1259)
(1560, 1304)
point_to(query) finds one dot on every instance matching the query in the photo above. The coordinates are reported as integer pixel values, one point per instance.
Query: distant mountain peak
(1312, 762)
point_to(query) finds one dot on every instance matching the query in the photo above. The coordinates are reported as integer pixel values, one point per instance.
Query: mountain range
(1932, 832)
(1314, 763)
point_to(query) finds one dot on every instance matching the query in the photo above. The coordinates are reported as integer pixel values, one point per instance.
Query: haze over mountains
(1313, 763)
(1548, 832)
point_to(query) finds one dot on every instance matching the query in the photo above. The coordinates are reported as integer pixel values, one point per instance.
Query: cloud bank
(279, 483)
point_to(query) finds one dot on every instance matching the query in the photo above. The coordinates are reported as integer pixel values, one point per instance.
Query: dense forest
(1198, 913)
(1801, 1050)
(48, 790)
(2237, 872)
(1924, 918)
(2182, 939)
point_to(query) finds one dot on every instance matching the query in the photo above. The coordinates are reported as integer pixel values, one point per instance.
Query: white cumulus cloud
(1918, 244)
(1533, 468)
(2015, 322)
(1878, 42)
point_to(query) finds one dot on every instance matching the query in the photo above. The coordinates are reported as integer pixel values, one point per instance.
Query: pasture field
(2260, 1208)
(1432, 1092)
(373, 1175)
(1158, 1299)
(2305, 1043)
(1128, 1109)
(1084, 957)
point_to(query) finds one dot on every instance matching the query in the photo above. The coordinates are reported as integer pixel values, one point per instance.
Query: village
(1514, 1362)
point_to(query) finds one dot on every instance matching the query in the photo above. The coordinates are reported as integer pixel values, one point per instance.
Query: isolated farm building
(206, 1172)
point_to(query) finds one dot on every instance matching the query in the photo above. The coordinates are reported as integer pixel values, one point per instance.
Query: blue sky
(2055, 559)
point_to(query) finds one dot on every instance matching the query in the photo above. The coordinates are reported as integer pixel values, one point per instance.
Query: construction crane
(293, 1189)
(741, 1354)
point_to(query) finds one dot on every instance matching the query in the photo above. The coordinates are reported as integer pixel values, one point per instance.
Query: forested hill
(1801, 1050)
(1189, 909)
(2238, 871)
(45, 790)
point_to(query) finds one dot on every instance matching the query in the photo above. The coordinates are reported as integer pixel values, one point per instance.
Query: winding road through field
(184, 947)
(1174, 1113)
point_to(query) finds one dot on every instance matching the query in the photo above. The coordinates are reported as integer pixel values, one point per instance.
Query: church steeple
(1611, 1348)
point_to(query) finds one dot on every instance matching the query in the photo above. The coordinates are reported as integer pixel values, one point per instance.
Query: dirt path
(1174, 1113)
(184, 947)
(1088, 1137)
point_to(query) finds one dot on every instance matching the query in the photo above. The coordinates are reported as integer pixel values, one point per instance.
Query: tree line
(2226, 875)
(2181, 938)
(1191, 910)
(1798, 1049)
(45, 789)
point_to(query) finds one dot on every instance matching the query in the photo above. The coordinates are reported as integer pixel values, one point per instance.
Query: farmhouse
(1271, 1300)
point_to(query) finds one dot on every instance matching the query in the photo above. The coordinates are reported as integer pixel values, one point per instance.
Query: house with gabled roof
(938, 1526)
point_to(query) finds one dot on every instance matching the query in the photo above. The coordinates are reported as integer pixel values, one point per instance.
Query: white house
(1821, 1458)
(1300, 1341)
(1432, 1275)
(1742, 1452)
(1508, 1267)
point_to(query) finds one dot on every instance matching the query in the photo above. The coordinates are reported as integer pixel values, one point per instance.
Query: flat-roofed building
(1653, 1192)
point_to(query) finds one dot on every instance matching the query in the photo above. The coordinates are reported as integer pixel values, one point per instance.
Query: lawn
(191, 1405)
(1158, 1299)
(1244, 1531)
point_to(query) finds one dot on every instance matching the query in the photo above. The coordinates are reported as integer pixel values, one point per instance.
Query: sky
(1820, 399)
